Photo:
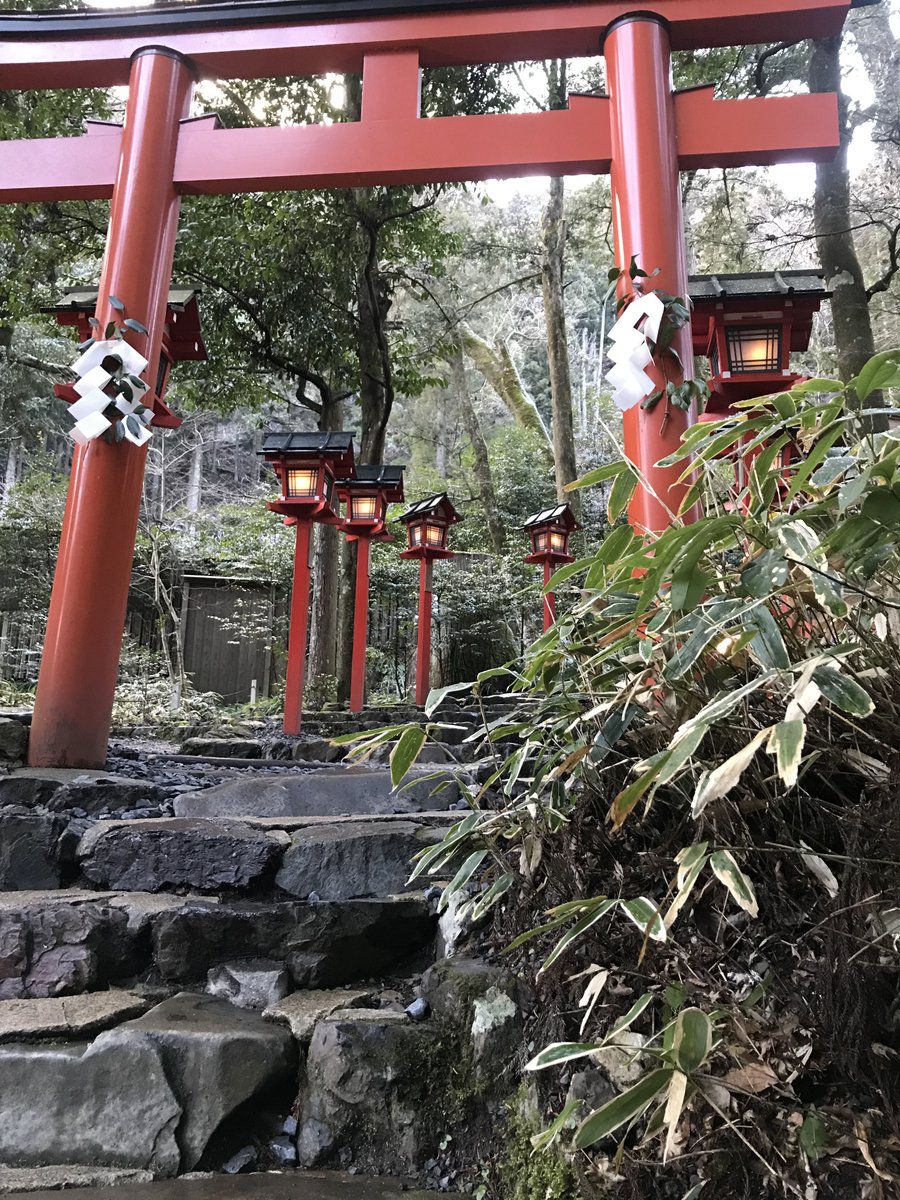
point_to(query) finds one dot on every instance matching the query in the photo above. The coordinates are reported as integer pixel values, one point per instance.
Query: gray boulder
(96, 792)
(216, 1058)
(28, 850)
(32, 787)
(316, 749)
(328, 791)
(368, 1093)
(57, 943)
(323, 945)
(339, 862)
(153, 854)
(106, 1104)
(253, 983)
(13, 740)
(222, 747)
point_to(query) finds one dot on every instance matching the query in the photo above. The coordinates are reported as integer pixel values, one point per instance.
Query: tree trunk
(195, 478)
(323, 639)
(552, 276)
(833, 224)
(496, 365)
(482, 465)
(376, 388)
(11, 473)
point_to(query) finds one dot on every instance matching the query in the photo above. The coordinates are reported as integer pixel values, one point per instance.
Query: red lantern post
(550, 530)
(366, 497)
(307, 466)
(427, 525)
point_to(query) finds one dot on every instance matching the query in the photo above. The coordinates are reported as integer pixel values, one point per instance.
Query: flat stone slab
(343, 861)
(325, 791)
(22, 1180)
(293, 1185)
(67, 1016)
(429, 818)
(150, 855)
(62, 788)
(301, 1010)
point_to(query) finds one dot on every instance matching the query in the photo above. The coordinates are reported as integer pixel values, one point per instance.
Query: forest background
(457, 330)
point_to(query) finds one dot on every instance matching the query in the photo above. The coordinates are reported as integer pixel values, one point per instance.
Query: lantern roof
(388, 480)
(560, 514)
(757, 285)
(337, 447)
(438, 506)
(184, 340)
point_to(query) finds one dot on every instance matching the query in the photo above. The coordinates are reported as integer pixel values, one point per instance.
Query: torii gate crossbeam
(642, 133)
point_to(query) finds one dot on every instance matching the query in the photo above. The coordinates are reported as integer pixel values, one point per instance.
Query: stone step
(64, 942)
(273, 1185)
(325, 860)
(331, 790)
(148, 1094)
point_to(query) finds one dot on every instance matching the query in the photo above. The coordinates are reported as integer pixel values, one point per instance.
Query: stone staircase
(228, 973)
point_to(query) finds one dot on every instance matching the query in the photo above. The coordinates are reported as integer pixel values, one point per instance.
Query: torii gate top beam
(267, 38)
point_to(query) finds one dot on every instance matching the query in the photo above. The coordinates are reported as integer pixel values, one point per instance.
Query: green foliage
(30, 524)
(768, 625)
(144, 695)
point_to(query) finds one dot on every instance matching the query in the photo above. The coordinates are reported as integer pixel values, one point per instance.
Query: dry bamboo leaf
(753, 1078)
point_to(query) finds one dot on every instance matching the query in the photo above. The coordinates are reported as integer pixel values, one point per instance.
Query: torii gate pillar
(77, 680)
(648, 225)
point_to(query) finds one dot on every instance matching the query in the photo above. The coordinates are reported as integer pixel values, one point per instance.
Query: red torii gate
(642, 133)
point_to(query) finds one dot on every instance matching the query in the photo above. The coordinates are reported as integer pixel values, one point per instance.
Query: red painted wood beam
(754, 133)
(561, 30)
(408, 150)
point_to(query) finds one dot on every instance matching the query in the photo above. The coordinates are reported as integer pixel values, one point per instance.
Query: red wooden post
(77, 682)
(549, 598)
(360, 626)
(648, 224)
(423, 643)
(297, 635)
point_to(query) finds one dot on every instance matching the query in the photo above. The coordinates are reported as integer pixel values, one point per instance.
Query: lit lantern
(366, 496)
(182, 340)
(748, 326)
(550, 530)
(308, 466)
(427, 525)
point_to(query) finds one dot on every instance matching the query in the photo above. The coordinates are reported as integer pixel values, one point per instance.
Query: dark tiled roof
(437, 505)
(367, 475)
(307, 443)
(559, 513)
(757, 284)
(85, 299)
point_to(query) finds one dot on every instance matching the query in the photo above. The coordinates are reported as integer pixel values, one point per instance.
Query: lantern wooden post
(360, 626)
(79, 666)
(549, 598)
(423, 636)
(298, 632)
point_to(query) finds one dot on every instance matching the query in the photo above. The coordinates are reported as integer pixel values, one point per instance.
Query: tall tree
(552, 280)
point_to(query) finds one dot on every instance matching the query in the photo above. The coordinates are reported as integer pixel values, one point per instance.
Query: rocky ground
(211, 960)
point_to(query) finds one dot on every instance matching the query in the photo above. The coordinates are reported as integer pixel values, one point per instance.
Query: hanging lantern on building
(748, 326)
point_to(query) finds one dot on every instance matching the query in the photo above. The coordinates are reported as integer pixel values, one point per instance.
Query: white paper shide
(93, 379)
(630, 352)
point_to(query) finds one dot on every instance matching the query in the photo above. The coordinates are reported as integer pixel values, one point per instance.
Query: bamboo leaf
(628, 1019)
(674, 1106)
(462, 877)
(546, 1138)
(719, 782)
(624, 1108)
(560, 1052)
(645, 915)
(581, 926)
(845, 694)
(692, 1040)
(786, 743)
(599, 475)
(405, 752)
(730, 874)
(495, 892)
(620, 493)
